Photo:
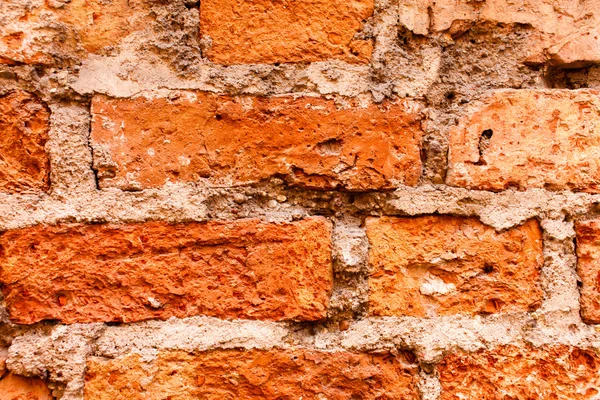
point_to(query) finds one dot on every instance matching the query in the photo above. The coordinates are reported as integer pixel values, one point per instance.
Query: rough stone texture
(442, 265)
(146, 142)
(521, 372)
(243, 269)
(257, 374)
(315, 30)
(14, 387)
(55, 31)
(24, 123)
(588, 269)
(529, 139)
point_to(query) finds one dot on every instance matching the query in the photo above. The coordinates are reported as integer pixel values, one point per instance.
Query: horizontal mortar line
(428, 337)
(182, 203)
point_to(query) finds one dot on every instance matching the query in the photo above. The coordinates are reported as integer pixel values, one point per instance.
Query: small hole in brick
(488, 269)
(450, 95)
(484, 143)
(218, 117)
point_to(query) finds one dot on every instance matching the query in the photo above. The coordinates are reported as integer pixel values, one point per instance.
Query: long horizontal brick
(24, 126)
(35, 32)
(265, 31)
(131, 272)
(252, 374)
(588, 268)
(143, 143)
(442, 265)
(512, 372)
(529, 139)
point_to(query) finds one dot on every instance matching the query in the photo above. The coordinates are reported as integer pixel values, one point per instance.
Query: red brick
(144, 143)
(240, 269)
(24, 123)
(529, 139)
(264, 31)
(442, 265)
(511, 372)
(588, 268)
(15, 387)
(253, 374)
(564, 32)
(36, 33)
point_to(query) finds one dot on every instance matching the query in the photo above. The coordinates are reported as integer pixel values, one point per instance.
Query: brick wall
(299, 199)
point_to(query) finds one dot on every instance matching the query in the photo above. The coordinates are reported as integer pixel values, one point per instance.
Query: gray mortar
(443, 73)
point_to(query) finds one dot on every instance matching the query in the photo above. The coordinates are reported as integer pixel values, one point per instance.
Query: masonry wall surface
(316, 199)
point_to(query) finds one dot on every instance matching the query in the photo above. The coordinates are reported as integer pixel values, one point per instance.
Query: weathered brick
(15, 387)
(34, 32)
(563, 32)
(442, 265)
(511, 372)
(529, 139)
(588, 268)
(132, 272)
(253, 374)
(243, 32)
(24, 123)
(144, 143)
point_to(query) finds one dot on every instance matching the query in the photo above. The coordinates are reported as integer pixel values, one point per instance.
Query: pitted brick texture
(24, 125)
(132, 272)
(254, 374)
(49, 32)
(529, 139)
(441, 265)
(143, 143)
(14, 387)
(314, 30)
(521, 372)
(588, 268)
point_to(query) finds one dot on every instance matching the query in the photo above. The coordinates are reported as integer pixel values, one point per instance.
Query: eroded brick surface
(588, 268)
(24, 125)
(513, 372)
(50, 32)
(529, 139)
(253, 374)
(141, 143)
(441, 265)
(314, 30)
(564, 32)
(241, 269)
(15, 387)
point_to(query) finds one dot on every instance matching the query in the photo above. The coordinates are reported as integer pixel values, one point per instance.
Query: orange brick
(15, 387)
(588, 268)
(442, 265)
(252, 374)
(24, 123)
(529, 139)
(144, 143)
(511, 372)
(265, 31)
(39, 34)
(133, 272)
